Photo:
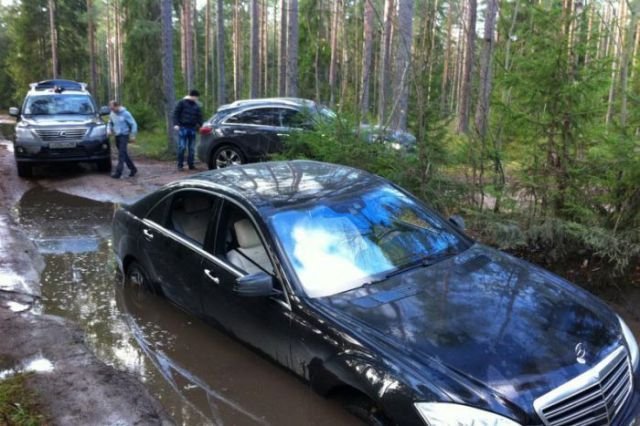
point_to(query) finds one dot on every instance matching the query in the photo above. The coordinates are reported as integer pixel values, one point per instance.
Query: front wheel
(226, 156)
(104, 166)
(138, 282)
(25, 170)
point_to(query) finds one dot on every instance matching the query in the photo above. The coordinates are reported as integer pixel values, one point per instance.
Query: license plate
(59, 145)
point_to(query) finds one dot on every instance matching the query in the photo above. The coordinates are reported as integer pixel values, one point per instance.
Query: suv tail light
(206, 129)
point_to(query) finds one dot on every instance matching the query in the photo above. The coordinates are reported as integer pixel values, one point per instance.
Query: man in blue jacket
(187, 119)
(125, 128)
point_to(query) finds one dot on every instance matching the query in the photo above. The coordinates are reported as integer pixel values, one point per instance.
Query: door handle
(212, 277)
(240, 132)
(148, 234)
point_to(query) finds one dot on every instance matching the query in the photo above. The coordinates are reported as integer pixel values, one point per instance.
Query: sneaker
(115, 176)
(133, 172)
(193, 168)
(180, 168)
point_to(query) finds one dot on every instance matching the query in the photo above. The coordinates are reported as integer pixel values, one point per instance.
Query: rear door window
(190, 214)
(256, 117)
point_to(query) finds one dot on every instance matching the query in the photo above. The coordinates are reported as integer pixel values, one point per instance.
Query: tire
(137, 279)
(25, 170)
(364, 409)
(104, 166)
(225, 156)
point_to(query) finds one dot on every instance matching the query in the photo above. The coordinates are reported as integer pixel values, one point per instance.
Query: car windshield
(337, 245)
(59, 104)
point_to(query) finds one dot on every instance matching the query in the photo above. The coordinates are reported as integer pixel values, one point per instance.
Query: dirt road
(73, 386)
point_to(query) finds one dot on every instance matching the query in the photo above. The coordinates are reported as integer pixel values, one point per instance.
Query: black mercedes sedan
(354, 285)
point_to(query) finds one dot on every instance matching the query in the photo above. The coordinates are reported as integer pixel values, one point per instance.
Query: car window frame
(207, 250)
(225, 121)
(278, 272)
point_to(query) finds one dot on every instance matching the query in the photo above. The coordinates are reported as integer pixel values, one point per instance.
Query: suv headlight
(448, 414)
(98, 132)
(24, 134)
(632, 344)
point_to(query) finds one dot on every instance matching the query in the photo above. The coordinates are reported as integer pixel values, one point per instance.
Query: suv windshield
(341, 244)
(58, 104)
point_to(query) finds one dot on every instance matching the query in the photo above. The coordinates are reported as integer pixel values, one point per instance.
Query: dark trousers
(123, 156)
(186, 140)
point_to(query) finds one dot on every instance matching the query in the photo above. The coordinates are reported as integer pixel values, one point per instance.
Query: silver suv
(60, 122)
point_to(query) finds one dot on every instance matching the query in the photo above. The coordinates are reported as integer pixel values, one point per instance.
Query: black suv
(248, 130)
(60, 122)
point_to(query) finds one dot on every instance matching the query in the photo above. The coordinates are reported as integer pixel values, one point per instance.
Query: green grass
(151, 144)
(18, 405)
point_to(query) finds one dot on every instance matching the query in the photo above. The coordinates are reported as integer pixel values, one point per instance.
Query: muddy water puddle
(200, 375)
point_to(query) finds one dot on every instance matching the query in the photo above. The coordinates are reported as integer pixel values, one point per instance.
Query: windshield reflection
(337, 245)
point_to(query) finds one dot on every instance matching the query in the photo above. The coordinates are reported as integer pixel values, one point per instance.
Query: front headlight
(631, 343)
(98, 132)
(448, 414)
(24, 134)
(396, 146)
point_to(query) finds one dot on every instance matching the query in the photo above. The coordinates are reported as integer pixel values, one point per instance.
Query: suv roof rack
(58, 85)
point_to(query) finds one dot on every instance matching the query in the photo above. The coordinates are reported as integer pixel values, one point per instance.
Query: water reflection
(199, 375)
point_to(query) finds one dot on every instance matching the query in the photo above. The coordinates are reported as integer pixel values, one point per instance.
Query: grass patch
(151, 144)
(18, 405)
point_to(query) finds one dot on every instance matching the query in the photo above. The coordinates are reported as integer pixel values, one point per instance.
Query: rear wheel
(226, 156)
(104, 166)
(361, 406)
(25, 170)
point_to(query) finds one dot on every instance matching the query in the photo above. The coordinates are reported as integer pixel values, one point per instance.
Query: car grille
(592, 399)
(54, 135)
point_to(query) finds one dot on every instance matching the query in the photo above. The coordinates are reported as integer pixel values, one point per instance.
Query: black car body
(59, 121)
(459, 334)
(249, 130)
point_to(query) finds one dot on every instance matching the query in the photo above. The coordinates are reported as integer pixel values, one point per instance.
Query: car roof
(281, 184)
(245, 103)
(51, 92)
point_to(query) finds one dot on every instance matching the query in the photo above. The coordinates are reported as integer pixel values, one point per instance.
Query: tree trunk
(334, 51)
(54, 39)
(254, 64)
(465, 93)
(188, 42)
(367, 56)
(385, 62)
(167, 70)
(482, 106)
(207, 48)
(403, 64)
(634, 9)
(91, 30)
(265, 49)
(292, 50)
(446, 79)
(282, 51)
(220, 52)
(237, 51)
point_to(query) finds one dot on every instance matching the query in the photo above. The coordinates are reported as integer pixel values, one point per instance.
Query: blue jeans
(186, 139)
(123, 156)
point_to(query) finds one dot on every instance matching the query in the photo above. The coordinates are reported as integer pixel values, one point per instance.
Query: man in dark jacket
(187, 119)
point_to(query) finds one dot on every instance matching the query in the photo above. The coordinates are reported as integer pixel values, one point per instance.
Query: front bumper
(42, 153)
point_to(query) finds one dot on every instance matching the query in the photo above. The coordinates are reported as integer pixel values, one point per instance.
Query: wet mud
(199, 375)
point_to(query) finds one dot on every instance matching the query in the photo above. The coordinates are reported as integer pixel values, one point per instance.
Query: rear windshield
(59, 104)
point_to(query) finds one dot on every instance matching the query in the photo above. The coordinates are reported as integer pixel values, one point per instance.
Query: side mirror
(14, 112)
(259, 284)
(104, 110)
(458, 221)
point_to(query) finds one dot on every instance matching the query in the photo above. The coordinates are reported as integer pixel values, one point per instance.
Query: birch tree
(220, 52)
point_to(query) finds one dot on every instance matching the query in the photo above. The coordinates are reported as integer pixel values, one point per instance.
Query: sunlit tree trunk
(167, 70)
(334, 50)
(207, 47)
(91, 32)
(53, 39)
(221, 93)
(254, 63)
(469, 57)
(482, 105)
(292, 49)
(385, 62)
(402, 64)
(282, 50)
(367, 56)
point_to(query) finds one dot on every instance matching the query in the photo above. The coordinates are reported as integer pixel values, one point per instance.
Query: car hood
(44, 120)
(492, 320)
